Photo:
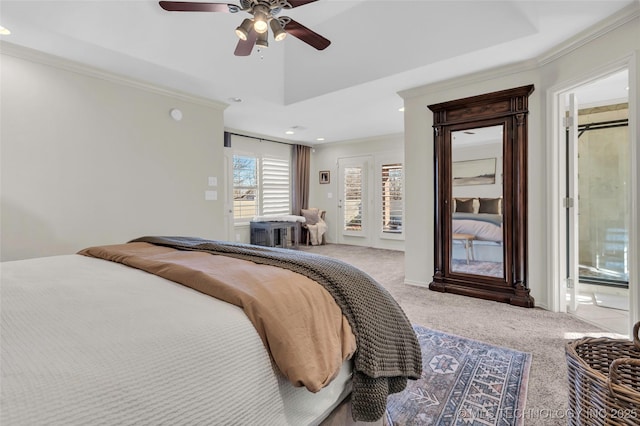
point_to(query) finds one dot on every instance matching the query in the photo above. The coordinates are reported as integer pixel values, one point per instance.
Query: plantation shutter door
(353, 199)
(392, 206)
(245, 187)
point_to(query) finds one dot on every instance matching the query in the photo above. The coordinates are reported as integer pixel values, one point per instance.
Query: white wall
(584, 57)
(90, 159)
(325, 196)
(476, 152)
(602, 54)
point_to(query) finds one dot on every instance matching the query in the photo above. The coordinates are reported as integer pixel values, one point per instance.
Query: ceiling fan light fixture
(263, 40)
(243, 30)
(260, 18)
(279, 33)
(264, 14)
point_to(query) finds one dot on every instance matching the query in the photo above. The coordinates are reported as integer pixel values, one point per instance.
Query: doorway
(595, 179)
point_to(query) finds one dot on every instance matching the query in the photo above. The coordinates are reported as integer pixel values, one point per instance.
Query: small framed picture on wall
(325, 176)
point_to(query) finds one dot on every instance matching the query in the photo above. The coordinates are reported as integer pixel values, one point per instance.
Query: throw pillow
(464, 205)
(490, 205)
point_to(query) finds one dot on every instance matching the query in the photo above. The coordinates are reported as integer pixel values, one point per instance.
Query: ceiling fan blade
(244, 47)
(187, 6)
(303, 33)
(295, 3)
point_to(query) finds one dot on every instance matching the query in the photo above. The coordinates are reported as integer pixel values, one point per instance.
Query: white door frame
(569, 176)
(555, 184)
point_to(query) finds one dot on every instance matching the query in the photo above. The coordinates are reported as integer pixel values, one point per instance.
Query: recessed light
(4, 31)
(401, 109)
(235, 99)
(290, 132)
(319, 139)
(627, 88)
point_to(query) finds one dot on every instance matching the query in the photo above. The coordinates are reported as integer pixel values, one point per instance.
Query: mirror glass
(477, 230)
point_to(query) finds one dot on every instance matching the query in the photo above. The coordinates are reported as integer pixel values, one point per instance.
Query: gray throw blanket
(388, 352)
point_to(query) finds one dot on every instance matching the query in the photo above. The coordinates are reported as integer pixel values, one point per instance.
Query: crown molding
(627, 14)
(476, 77)
(367, 139)
(37, 56)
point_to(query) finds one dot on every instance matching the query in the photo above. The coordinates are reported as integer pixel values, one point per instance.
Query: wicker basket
(604, 381)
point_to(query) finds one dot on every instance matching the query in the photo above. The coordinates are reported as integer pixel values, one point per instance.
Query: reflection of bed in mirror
(482, 218)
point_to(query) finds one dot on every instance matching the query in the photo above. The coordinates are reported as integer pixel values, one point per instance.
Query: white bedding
(89, 342)
(484, 231)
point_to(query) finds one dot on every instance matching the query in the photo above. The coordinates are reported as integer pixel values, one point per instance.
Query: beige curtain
(301, 172)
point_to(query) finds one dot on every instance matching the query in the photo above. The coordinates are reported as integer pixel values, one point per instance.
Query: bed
(104, 337)
(481, 219)
(483, 226)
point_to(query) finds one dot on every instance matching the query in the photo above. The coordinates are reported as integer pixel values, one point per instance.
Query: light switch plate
(213, 181)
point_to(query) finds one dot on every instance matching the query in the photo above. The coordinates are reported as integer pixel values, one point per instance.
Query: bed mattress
(85, 341)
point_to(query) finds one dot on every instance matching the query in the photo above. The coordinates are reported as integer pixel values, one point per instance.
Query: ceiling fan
(255, 31)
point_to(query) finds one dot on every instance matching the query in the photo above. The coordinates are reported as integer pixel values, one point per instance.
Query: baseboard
(417, 283)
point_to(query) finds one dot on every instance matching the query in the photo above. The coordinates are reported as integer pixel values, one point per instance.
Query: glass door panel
(603, 151)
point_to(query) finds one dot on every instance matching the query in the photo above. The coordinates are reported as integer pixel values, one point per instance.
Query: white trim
(542, 306)
(37, 56)
(634, 220)
(554, 181)
(596, 31)
(616, 20)
(370, 139)
(417, 283)
(469, 79)
(554, 227)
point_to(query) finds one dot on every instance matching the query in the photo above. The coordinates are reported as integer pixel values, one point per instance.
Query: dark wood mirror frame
(510, 109)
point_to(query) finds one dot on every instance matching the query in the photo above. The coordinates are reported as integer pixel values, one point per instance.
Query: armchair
(314, 227)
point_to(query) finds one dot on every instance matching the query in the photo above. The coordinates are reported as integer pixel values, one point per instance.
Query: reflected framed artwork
(474, 172)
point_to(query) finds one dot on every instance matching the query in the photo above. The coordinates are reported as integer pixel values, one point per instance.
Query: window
(261, 187)
(392, 205)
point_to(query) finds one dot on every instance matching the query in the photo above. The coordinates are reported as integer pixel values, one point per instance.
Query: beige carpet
(537, 331)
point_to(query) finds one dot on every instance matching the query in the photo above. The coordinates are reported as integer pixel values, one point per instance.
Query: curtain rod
(602, 125)
(261, 139)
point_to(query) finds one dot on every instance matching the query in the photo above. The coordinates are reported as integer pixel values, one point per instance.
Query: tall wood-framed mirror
(480, 154)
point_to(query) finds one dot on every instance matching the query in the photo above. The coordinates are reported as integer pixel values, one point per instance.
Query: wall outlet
(210, 195)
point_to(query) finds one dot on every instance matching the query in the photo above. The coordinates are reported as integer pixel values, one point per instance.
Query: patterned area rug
(464, 382)
(478, 267)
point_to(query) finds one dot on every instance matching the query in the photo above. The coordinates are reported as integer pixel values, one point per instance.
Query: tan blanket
(298, 320)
